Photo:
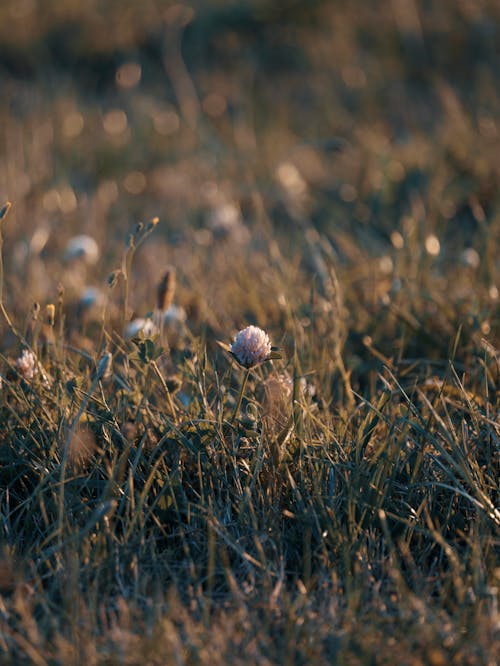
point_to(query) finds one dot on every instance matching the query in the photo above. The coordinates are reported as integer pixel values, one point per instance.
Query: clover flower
(26, 364)
(225, 222)
(82, 247)
(251, 347)
(141, 325)
(174, 315)
(89, 297)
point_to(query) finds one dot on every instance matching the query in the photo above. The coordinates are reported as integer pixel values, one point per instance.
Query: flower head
(136, 326)
(82, 247)
(26, 364)
(90, 296)
(251, 346)
(175, 314)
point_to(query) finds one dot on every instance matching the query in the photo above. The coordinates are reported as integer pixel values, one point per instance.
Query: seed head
(50, 311)
(251, 346)
(4, 210)
(151, 225)
(166, 290)
(277, 399)
(82, 446)
(113, 278)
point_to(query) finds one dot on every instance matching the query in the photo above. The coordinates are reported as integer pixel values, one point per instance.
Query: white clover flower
(470, 257)
(26, 364)
(136, 326)
(82, 247)
(175, 314)
(251, 346)
(225, 222)
(224, 217)
(91, 296)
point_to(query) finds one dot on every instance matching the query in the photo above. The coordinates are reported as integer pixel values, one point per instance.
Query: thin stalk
(173, 411)
(101, 370)
(240, 396)
(3, 214)
(126, 267)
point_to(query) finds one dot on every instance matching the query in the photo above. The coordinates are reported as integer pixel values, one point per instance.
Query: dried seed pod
(277, 400)
(166, 290)
(113, 278)
(151, 225)
(82, 446)
(129, 430)
(35, 311)
(4, 210)
(50, 311)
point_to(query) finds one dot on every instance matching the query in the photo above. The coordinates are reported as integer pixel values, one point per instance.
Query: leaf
(223, 346)
(146, 351)
(251, 434)
(165, 502)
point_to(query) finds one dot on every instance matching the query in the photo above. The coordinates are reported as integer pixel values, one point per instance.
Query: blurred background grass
(268, 138)
(262, 123)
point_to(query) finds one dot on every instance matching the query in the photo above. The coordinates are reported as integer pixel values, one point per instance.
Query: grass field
(326, 171)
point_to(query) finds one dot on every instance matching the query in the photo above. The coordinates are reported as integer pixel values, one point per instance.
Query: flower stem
(171, 406)
(240, 396)
(3, 213)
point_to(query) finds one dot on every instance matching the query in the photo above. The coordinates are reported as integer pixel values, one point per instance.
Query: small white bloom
(135, 327)
(91, 296)
(470, 257)
(174, 314)
(225, 222)
(225, 215)
(26, 364)
(82, 247)
(292, 181)
(251, 346)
